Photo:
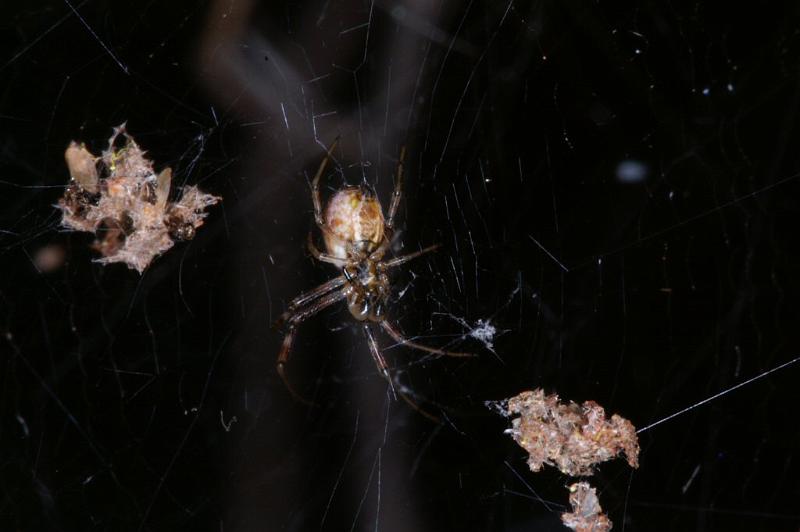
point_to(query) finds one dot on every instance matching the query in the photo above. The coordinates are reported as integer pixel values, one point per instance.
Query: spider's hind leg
(397, 261)
(324, 257)
(397, 193)
(315, 196)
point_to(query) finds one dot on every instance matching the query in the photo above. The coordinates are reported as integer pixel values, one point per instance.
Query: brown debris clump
(569, 436)
(587, 515)
(119, 197)
(574, 438)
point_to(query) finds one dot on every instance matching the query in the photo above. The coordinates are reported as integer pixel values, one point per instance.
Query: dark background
(151, 402)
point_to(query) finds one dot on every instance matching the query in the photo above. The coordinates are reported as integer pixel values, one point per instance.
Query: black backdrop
(615, 188)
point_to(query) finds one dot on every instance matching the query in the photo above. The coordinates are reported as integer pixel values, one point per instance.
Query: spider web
(614, 189)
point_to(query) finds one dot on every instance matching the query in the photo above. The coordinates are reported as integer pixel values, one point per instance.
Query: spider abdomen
(354, 220)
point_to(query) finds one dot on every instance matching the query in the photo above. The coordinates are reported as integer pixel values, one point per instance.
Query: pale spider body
(357, 236)
(355, 219)
(356, 226)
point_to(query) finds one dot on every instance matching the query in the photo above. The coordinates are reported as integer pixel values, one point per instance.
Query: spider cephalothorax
(369, 291)
(356, 237)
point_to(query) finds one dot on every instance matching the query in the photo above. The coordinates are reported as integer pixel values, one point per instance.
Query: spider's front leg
(295, 318)
(307, 297)
(402, 340)
(397, 388)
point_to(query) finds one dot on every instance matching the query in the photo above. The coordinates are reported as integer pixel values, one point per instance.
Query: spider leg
(377, 356)
(397, 388)
(315, 197)
(324, 257)
(397, 193)
(283, 357)
(295, 318)
(400, 339)
(378, 253)
(306, 298)
(397, 261)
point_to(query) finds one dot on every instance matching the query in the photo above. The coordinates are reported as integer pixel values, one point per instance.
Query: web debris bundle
(118, 197)
(569, 436)
(586, 515)
(573, 438)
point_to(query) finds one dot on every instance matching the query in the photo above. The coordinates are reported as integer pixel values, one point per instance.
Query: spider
(356, 237)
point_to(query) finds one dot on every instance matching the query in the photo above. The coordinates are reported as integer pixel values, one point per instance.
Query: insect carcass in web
(120, 198)
(356, 236)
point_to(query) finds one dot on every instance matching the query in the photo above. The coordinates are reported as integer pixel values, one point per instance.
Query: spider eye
(359, 308)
